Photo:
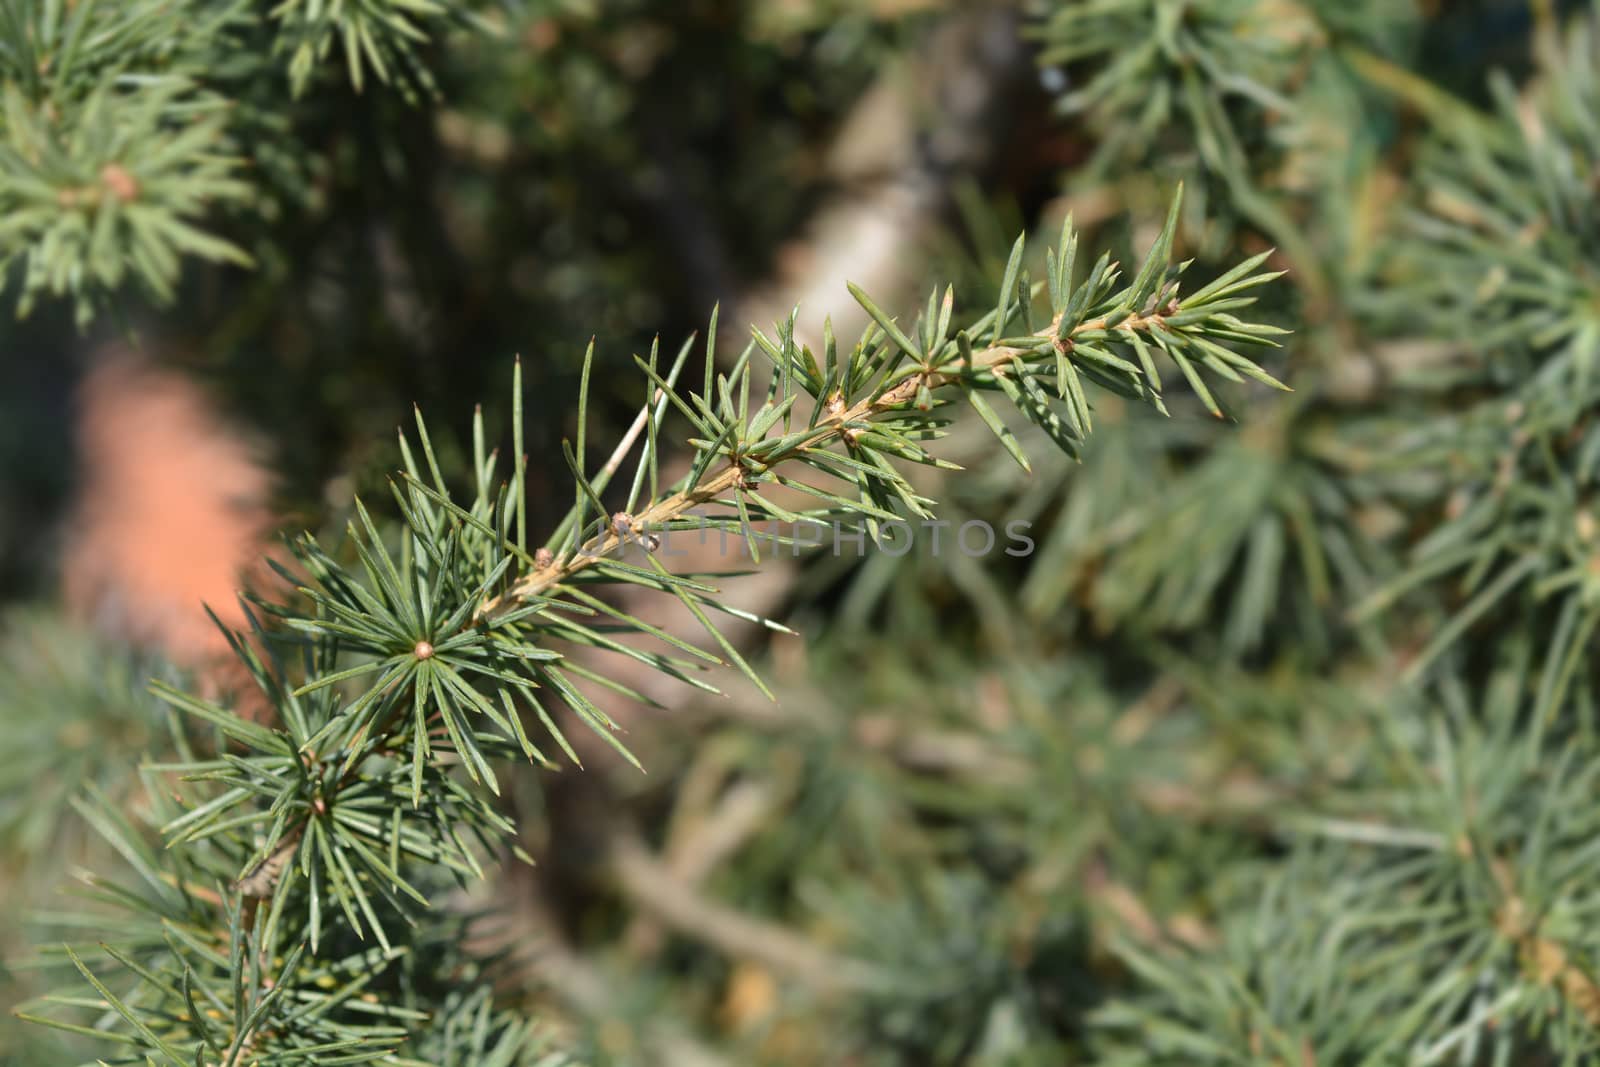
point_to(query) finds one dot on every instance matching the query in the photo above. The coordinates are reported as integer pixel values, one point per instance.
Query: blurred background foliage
(1280, 749)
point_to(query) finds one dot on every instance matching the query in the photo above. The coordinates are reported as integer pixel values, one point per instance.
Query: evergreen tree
(1275, 746)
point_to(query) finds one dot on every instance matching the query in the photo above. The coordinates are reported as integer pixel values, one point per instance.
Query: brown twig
(701, 844)
(651, 886)
(839, 423)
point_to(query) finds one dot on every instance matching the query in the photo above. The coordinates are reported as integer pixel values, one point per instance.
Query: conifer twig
(838, 423)
(421, 665)
(658, 891)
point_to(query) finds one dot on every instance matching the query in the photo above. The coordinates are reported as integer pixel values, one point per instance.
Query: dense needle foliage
(1276, 747)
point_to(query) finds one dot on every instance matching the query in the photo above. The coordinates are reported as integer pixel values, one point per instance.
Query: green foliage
(300, 853)
(1258, 102)
(1393, 885)
(111, 148)
(380, 35)
(1433, 908)
(74, 710)
(1160, 58)
(1278, 749)
(126, 126)
(1216, 76)
(1501, 262)
(214, 976)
